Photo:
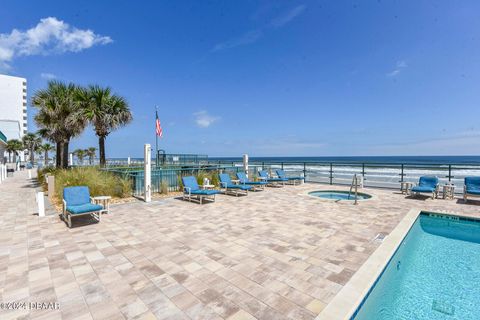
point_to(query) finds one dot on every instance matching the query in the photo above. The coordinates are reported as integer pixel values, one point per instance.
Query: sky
(267, 78)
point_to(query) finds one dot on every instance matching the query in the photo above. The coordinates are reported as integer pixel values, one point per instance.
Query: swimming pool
(339, 195)
(433, 275)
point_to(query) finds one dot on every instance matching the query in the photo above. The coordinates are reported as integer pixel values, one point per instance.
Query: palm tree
(46, 148)
(31, 142)
(59, 116)
(106, 112)
(13, 146)
(80, 153)
(91, 154)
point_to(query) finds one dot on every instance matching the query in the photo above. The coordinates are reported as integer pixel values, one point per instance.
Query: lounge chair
(77, 202)
(427, 184)
(229, 187)
(271, 181)
(293, 180)
(192, 191)
(471, 188)
(256, 185)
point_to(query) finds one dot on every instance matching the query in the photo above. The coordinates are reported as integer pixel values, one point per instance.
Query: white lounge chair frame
(67, 216)
(187, 195)
(234, 191)
(466, 194)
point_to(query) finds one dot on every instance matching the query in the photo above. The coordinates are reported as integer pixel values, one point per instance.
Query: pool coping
(346, 302)
(307, 193)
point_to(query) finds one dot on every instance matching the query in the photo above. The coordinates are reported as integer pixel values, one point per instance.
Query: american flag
(158, 126)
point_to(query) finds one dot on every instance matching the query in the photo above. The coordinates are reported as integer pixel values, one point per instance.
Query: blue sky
(268, 78)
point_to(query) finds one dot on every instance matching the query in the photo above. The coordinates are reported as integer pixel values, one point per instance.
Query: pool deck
(276, 254)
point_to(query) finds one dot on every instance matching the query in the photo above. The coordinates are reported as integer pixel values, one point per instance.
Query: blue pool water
(338, 195)
(434, 275)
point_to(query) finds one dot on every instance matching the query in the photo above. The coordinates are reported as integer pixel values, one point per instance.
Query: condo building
(13, 112)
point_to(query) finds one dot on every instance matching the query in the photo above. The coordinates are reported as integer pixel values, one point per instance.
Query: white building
(13, 110)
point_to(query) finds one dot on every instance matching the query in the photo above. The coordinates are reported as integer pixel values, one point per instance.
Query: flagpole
(156, 136)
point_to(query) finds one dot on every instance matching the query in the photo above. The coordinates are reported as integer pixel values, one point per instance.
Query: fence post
(70, 159)
(363, 171)
(450, 173)
(245, 164)
(147, 179)
(305, 171)
(331, 173)
(41, 204)
(282, 165)
(51, 187)
(263, 165)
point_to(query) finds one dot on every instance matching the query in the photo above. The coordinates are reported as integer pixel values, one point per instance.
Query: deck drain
(443, 307)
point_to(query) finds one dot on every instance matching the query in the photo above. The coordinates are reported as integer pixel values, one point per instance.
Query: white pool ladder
(354, 185)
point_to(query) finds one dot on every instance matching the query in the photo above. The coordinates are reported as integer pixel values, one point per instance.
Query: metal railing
(167, 179)
(374, 174)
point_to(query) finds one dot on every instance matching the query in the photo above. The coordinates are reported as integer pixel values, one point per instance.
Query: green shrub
(214, 178)
(100, 183)
(164, 187)
(201, 175)
(42, 173)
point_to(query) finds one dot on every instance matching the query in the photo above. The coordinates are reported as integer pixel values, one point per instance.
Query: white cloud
(398, 68)
(49, 36)
(48, 76)
(246, 38)
(288, 16)
(203, 119)
(254, 35)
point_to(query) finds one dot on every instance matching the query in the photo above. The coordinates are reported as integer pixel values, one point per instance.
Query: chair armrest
(188, 189)
(64, 205)
(91, 200)
(223, 184)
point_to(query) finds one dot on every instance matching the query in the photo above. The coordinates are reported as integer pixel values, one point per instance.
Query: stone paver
(276, 254)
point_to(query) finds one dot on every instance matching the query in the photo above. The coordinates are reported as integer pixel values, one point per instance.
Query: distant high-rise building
(13, 110)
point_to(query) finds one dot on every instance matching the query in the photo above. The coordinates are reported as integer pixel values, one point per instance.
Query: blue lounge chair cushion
(423, 189)
(75, 196)
(227, 183)
(244, 180)
(190, 184)
(472, 185)
(84, 208)
(474, 191)
(426, 181)
(264, 174)
(204, 192)
(282, 174)
(238, 186)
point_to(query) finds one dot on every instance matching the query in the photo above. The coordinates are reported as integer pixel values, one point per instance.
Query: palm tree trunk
(65, 155)
(9, 156)
(46, 158)
(32, 156)
(101, 150)
(58, 153)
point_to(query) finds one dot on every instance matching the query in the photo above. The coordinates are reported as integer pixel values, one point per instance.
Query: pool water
(434, 275)
(339, 195)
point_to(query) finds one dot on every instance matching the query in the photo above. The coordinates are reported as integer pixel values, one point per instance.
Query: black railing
(374, 174)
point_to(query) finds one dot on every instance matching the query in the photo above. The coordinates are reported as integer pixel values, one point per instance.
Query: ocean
(445, 160)
(377, 171)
